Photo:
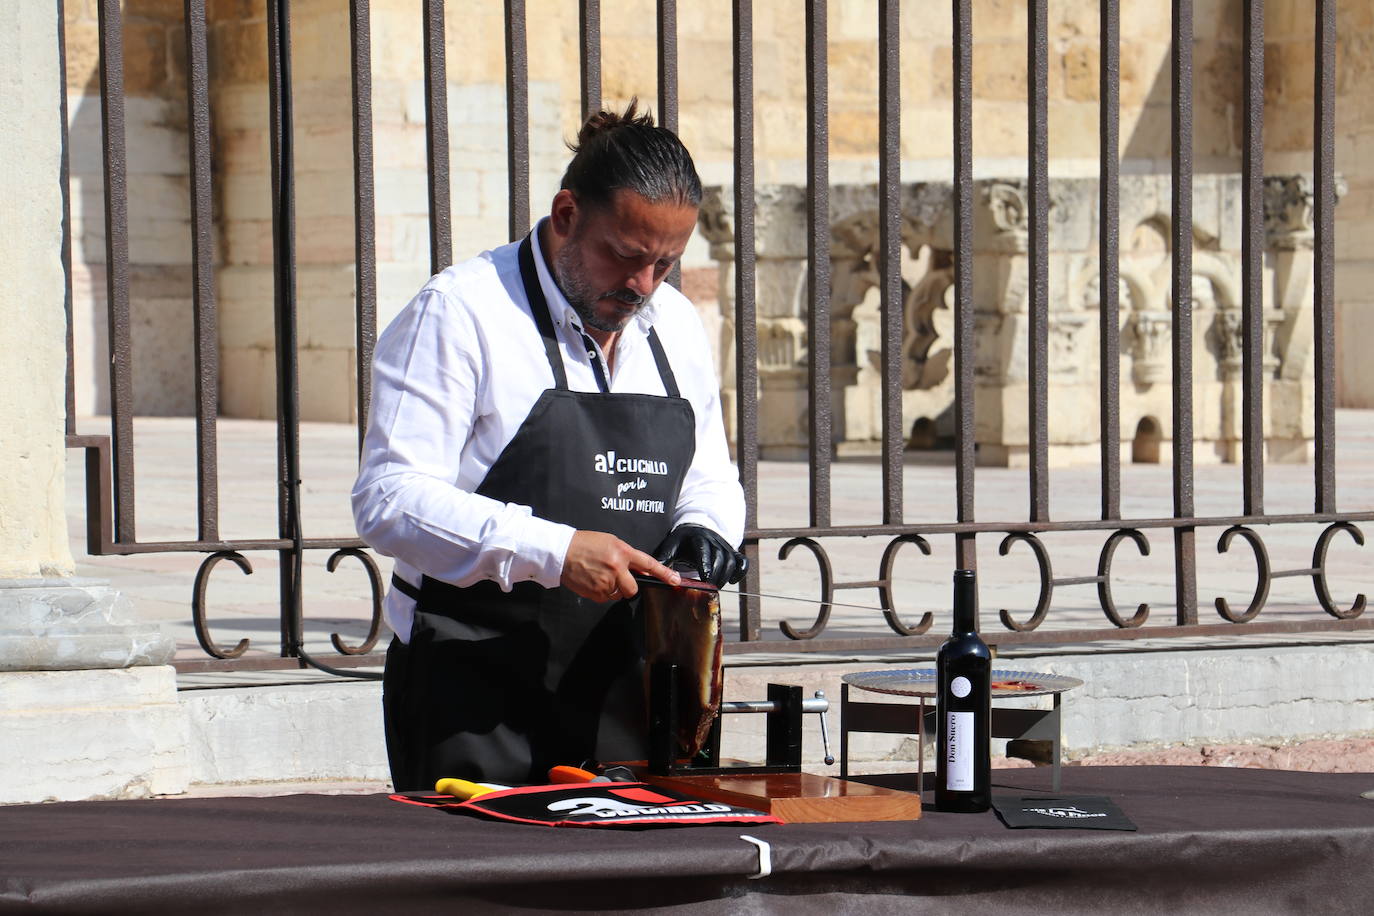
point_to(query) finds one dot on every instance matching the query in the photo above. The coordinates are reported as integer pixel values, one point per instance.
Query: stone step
(326, 729)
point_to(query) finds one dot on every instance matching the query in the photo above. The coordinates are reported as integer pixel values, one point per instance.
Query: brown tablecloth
(1214, 840)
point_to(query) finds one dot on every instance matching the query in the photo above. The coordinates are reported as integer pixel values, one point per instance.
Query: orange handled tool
(574, 774)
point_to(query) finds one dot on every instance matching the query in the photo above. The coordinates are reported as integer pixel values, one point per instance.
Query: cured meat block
(682, 627)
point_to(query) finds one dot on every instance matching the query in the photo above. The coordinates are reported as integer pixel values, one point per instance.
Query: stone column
(781, 302)
(70, 730)
(1289, 228)
(1000, 300)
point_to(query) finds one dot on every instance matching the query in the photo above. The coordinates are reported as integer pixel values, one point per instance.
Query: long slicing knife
(698, 585)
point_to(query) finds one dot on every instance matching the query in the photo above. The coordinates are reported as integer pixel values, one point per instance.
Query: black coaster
(1059, 812)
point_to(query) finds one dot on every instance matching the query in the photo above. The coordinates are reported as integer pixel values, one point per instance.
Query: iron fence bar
(1108, 255)
(65, 182)
(117, 265)
(99, 525)
(1037, 114)
(890, 251)
(204, 310)
(668, 89)
(291, 558)
(284, 301)
(278, 543)
(517, 118)
(818, 258)
(965, 548)
(1181, 230)
(436, 133)
(746, 320)
(1088, 524)
(1295, 573)
(589, 23)
(753, 534)
(1324, 244)
(1052, 637)
(667, 65)
(364, 206)
(1252, 267)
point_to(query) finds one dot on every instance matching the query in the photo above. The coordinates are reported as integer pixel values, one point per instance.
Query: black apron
(500, 686)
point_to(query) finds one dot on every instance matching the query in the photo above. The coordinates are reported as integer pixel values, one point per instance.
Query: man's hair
(626, 151)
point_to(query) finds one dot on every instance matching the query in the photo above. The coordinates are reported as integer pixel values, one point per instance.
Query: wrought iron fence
(109, 459)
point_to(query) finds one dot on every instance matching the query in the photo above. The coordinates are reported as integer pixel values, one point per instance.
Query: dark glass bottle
(963, 778)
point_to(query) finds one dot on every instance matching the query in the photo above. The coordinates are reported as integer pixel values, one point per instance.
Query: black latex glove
(705, 551)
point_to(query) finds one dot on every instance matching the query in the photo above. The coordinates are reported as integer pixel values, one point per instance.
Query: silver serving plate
(920, 682)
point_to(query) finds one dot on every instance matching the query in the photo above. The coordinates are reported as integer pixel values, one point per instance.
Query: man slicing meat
(545, 426)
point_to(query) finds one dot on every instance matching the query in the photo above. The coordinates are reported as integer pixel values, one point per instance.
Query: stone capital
(1290, 209)
(1002, 219)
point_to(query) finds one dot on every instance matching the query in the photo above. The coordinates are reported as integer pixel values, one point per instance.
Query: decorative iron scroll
(374, 579)
(882, 584)
(827, 588)
(1103, 580)
(1264, 575)
(202, 627)
(1047, 583)
(1319, 572)
(885, 587)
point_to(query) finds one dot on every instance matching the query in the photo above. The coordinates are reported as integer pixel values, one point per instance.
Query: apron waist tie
(405, 588)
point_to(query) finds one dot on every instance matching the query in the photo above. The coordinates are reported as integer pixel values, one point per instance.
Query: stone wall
(159, 208)
(476, 74)
(324, 196)
(1000, 295)
(1288, 147)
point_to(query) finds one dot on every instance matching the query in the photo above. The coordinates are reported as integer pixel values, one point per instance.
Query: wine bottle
(963, 778)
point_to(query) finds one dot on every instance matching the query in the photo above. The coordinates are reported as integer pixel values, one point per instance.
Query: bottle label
(959, 751)
(960, 687)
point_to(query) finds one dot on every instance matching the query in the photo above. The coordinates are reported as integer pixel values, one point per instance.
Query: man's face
(612, 258)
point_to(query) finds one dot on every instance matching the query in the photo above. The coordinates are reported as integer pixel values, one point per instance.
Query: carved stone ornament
(1229, 328)
(1288, 207)
(1289, 210)
(1151, 333)
(1066, 343)
(925, 365)
(716, 221)
(1007, 205)
(999, 284)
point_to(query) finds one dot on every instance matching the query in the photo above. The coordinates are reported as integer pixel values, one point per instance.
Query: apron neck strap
(539, 308)
(665, 371)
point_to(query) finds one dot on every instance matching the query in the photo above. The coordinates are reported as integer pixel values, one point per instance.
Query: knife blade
(699, 585)
(687, 582)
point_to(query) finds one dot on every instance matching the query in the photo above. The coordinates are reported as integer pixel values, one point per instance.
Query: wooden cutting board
(798, 798)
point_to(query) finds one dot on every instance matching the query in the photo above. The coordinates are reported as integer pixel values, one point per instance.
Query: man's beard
(567, 271)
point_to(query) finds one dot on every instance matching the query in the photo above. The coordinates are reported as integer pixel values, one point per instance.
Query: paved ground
(245, 606)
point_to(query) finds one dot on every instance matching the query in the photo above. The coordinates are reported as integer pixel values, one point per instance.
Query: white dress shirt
(453, 378)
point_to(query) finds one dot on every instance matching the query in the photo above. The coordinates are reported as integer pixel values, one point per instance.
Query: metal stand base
(1035, 733)
(784, 732)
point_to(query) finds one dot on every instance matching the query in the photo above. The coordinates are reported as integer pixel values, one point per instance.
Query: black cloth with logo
(500, 686)
(1060, 812)
(621, 804)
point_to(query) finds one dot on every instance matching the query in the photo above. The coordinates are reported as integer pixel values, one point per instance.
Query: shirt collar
(559, 308)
